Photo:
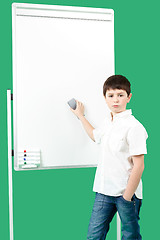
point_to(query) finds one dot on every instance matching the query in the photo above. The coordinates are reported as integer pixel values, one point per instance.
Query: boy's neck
(114, 113)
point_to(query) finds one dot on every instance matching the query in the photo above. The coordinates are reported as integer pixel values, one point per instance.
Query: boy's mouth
(115, 105)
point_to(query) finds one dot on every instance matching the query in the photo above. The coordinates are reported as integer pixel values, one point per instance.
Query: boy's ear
(129, 97)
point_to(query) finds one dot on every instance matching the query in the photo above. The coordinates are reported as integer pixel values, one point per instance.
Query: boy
(117, 183)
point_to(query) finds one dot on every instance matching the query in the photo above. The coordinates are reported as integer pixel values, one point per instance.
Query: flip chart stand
(54, 12)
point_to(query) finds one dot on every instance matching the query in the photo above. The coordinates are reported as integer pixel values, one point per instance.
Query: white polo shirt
(119, 140)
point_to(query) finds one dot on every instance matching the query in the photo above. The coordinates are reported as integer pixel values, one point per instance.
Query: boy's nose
(115, 99)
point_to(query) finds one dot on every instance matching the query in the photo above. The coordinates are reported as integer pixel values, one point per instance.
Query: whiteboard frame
(26, 9)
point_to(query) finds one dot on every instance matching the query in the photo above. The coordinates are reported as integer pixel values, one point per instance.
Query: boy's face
(117, 100)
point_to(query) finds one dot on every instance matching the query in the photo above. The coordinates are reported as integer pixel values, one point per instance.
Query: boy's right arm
(87, 126)
(79, 112)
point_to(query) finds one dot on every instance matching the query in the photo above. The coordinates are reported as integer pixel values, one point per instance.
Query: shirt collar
(121, 114)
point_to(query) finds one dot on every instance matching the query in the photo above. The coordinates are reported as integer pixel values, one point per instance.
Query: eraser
(72, 103)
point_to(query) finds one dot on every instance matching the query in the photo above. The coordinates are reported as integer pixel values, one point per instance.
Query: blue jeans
(104, 209)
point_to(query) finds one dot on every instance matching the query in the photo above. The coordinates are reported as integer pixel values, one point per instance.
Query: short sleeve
(99, 132)
(136, 138)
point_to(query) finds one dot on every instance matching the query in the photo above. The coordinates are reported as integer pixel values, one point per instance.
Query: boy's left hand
(127, 199)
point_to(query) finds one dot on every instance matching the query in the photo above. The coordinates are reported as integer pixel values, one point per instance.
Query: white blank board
(59, 53)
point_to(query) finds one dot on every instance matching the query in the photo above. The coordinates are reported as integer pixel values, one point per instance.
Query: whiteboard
(59, 53)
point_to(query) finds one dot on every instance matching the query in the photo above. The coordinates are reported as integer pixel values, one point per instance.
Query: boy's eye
(121, 95)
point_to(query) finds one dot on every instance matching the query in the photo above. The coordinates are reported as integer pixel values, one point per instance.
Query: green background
(57, 204)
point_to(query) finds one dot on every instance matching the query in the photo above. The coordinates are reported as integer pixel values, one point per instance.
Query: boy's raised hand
(79, 111)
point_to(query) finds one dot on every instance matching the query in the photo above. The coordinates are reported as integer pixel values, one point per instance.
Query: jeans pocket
(98, 203)
(126, 201)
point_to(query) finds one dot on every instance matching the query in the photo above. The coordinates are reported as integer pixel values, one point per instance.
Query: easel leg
(10, 163)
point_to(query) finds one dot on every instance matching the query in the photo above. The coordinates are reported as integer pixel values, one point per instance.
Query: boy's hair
(117, 82)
